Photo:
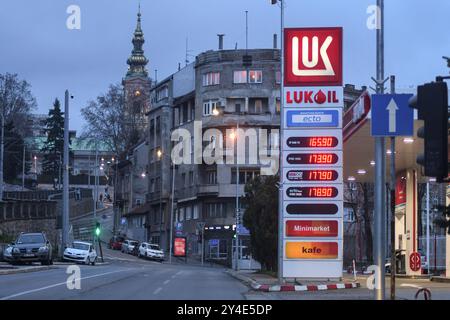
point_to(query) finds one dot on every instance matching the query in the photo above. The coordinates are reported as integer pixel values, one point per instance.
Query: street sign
(414, 261)
(313, 56)
(241, 230)
(391, 115)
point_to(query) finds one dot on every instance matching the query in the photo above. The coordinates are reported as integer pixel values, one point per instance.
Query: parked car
(128, 246)
(29, 248)
(81, 251)
(151, 251)
(115, 242)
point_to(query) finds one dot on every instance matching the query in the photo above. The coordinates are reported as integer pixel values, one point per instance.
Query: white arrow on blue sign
(391, 115)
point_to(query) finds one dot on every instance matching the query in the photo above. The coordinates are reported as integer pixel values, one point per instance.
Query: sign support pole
(380, 170)
(280, 195)
(392, 186)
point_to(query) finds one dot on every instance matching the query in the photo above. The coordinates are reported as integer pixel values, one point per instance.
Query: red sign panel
(400, 190)
(179, 247)
(414, 261)
(311, 228)
(313, 56)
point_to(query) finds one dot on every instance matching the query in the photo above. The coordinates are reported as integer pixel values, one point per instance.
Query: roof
(142, 209)
(77, 144)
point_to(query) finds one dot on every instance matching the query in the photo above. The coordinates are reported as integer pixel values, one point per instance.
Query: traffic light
(97, 228)
(431, 103)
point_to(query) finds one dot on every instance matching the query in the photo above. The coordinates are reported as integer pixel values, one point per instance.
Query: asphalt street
(122, 280)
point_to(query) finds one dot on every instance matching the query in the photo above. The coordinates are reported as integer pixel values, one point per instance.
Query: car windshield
(80, 246)
(30, 238)
(154, 246)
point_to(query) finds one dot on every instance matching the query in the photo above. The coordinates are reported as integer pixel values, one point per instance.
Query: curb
(301, 288)
(292, 288)
(26, 270)
(440, 279)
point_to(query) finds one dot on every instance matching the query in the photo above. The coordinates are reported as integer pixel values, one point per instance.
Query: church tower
(136, 82)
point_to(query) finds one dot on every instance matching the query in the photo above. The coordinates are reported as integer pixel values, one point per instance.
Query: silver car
(129, 245)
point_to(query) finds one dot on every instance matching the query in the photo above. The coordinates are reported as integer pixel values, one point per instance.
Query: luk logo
(311, 64)
(313, 57)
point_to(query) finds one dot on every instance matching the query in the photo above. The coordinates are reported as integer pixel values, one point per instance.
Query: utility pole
(380, 169)
(2, 152)
(237, 198)
(428, 228)
(65, 214)
(172, 212)
(392, 217)
(23, 167)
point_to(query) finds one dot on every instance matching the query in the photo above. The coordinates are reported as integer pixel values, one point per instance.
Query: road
(123, 280)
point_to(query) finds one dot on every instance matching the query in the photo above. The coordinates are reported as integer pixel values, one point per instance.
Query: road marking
(57, 284)
(157, 290)
(166, 282)
(410, 285)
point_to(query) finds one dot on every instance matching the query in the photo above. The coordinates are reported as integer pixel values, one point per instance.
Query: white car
(81, 251)
(152, 251)
(128, 246)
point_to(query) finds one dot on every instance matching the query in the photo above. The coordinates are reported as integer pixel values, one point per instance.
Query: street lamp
(159, 154)
(234, 136)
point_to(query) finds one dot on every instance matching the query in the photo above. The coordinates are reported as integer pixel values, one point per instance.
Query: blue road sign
(312, 118)
(391, 115)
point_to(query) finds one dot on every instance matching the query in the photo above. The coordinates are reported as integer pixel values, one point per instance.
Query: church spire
(137, 61)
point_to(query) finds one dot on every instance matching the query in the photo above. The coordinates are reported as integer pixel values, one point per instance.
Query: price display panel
(316, 158)
(313, 192)
(312, 175)
(313, 140)
(313, 209)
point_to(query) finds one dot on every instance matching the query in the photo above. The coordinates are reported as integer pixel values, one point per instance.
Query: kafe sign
(313, 57)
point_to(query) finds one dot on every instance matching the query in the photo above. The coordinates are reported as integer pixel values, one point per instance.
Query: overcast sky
(36, 44)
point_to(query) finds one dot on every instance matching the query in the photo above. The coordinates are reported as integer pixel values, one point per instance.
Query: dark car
(115, 242)
(31, 247)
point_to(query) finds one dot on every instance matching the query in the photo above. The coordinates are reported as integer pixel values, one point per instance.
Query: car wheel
(146, 256)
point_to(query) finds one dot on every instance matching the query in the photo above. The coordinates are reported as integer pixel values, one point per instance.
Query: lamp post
(159, 154)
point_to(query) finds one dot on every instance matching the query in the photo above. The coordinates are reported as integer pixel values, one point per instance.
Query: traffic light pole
(380, 171)
(65, 213)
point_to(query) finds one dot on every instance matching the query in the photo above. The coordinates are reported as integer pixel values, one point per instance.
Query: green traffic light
(97, 232)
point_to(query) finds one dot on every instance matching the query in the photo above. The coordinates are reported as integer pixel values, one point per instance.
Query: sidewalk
(264, 282)
(6, 268)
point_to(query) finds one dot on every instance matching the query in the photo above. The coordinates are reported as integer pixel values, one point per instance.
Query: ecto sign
(313, 56)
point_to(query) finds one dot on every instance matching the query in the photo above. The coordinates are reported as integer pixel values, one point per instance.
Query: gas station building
(411, 194)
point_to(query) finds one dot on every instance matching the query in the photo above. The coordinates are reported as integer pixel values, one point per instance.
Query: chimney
(275, 40)
(220, 41)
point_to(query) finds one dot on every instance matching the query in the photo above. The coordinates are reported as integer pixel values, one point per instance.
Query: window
(188, 212)
(349, 214)
(245, 176)
(162, 93)
(209, 106)
(191, 178)
(215, 210)
(181, 215)
(158, 183)
(212, 177)
(152, 185)
(195, 212)
(277, 106)
(278, 77)
(211, 79)
(183, 179)
(237, 107)
(258, 106)
(192, 112)
(240, 76)
(255, 76)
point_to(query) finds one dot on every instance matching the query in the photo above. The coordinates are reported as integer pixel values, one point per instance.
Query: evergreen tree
(54, 145)
(14, 144)
(261, 219)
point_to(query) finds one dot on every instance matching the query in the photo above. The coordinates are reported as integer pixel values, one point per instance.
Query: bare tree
(16, 102)
(108, 122)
